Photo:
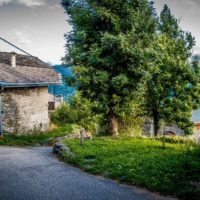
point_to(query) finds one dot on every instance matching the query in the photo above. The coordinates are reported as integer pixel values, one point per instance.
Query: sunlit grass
(141, 162)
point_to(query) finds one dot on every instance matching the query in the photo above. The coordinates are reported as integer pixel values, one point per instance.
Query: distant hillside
(62, 90)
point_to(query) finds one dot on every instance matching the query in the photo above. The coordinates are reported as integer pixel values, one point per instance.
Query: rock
(58, 145)
(57, 148)
(63, 150)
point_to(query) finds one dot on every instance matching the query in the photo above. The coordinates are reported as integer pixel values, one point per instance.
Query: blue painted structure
(62, 90)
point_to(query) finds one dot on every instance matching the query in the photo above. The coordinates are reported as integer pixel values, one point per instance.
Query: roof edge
(26, 85)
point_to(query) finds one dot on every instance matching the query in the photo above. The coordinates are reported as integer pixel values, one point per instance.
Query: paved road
(36, 174)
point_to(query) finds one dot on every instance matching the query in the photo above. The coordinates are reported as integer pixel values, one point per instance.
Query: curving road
(36, 174)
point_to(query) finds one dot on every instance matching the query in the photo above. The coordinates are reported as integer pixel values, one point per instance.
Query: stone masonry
(25, 110)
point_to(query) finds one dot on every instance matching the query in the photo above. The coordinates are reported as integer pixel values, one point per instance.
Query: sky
(187, 11)
(38, 26)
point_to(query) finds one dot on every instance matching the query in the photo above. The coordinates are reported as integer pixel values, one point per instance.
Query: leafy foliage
(78, 111)
(173, 87)
(117, 47)
(131, 117)
(107, 48)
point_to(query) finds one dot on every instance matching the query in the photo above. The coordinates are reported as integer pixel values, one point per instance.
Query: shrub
(78, 111)
(131, 119)
(85, 113)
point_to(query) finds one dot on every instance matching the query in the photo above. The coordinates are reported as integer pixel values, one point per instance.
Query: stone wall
(148, 128)
(25, 110)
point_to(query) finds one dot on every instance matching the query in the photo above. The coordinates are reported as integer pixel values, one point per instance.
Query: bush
(131, 119)
(83, 112)
(78, 111)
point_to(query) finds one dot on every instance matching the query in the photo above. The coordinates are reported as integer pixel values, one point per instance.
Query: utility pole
(1, 117)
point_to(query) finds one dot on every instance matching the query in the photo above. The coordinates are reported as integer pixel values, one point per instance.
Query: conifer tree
(107, 50)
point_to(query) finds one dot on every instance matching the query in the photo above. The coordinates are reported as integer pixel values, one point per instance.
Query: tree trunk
(113, 126)
(156, 122)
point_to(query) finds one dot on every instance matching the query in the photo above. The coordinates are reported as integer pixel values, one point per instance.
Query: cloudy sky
(38, 26)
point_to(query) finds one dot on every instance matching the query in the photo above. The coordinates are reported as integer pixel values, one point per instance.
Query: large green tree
(107, 50)
(173, 86)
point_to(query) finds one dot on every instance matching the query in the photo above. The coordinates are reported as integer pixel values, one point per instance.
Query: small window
(51, 106)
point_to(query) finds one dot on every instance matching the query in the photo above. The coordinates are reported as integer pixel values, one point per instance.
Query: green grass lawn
(37, 138)
(141, 162)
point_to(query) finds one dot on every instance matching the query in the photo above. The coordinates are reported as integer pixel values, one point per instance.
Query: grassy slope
(36, 139)
(141, 162)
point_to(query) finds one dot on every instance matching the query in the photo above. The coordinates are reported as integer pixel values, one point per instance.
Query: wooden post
(164, 135)
(82, 132)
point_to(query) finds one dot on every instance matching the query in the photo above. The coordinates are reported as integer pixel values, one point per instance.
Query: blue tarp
(62, 90)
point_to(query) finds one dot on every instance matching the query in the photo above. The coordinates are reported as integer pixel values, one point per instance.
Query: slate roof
(29, 72)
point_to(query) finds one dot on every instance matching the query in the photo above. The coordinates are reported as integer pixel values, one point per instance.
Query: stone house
(24, 82)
